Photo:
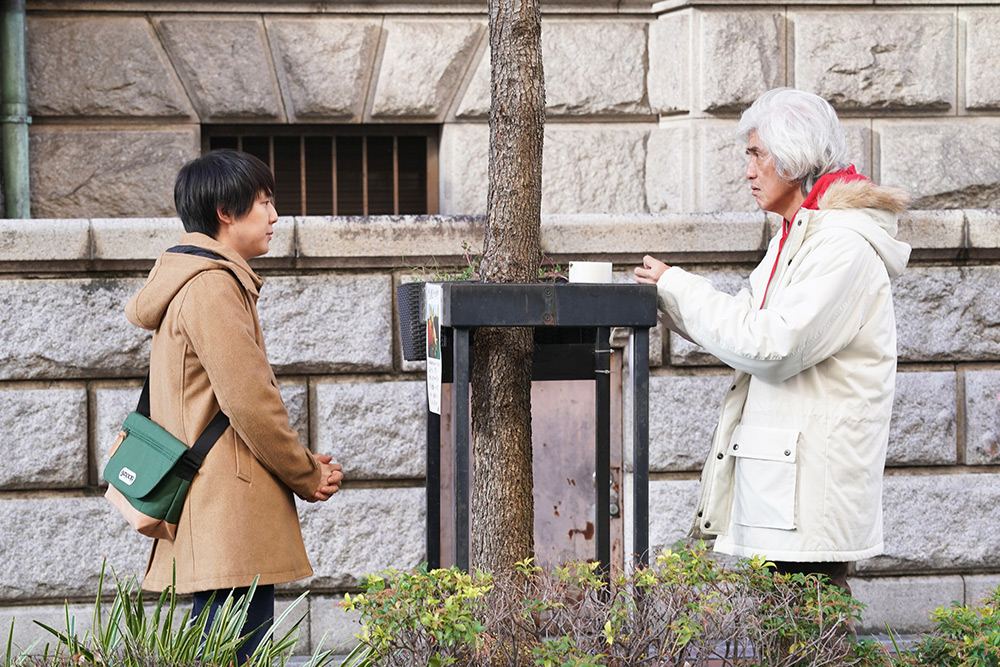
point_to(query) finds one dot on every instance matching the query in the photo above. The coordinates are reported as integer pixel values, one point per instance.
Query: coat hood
(173, 270)
(880, 206)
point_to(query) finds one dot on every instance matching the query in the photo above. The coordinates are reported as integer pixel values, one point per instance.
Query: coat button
(735, 447)
(733, 388)
(799, 223)
(708, 524)
(788, 452)
(699, 514)
(719, 456)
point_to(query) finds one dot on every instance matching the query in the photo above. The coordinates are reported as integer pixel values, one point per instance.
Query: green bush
(126, 635)
(685, 610)
(964, 637)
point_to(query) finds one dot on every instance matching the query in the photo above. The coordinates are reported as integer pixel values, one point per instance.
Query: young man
(239, 520)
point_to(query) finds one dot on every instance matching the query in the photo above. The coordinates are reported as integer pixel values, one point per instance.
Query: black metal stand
(467, 306)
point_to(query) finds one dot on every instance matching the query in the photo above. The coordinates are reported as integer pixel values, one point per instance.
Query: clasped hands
(330, 478)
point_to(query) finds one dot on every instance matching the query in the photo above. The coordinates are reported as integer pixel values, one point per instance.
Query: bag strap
(192, 459)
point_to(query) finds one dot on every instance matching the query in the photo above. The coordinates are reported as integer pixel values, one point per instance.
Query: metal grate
(335, 170)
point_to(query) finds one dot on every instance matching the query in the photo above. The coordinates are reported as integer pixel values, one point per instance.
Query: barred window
(342, 170)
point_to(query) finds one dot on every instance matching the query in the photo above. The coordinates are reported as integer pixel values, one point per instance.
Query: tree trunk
(502, 504)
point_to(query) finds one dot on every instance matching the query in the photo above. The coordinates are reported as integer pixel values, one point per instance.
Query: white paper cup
(590, 272)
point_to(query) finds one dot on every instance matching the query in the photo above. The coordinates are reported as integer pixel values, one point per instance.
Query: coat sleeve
(812, 317)
(216, 319)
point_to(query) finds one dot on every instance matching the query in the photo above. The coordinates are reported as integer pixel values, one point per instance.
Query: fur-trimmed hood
(872, 211)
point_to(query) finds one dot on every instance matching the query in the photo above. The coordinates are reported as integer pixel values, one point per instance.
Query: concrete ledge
(44, 239)
(904, 603)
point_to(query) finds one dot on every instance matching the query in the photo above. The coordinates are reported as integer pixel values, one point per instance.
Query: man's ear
(224, 218)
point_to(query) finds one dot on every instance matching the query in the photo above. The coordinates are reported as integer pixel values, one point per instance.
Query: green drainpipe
(14, 115)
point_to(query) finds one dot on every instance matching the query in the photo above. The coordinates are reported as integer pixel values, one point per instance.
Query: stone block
(134, 238)
(946, 163)
(295, 395)
(107, 173)
(407, 240)
(742, 55)
(594, 168)
(663, 235)
(112, 404)
(375, 430)
(683, 412)
(328, 323)
(858, 134)
(941, 314)
(668, 156)
(982, 417)
(594, 67)
(979, 587)
(984, 229)
(475, 99)
(105, 67)
(55, 547)
(360, 531)
(324, 64)
(935, 522)
(924, 420)
(46, 431)
(933, 230)
(69, 328)
(224, 64)
(903, 603)
(721, 165)
(670, 63)
(982, 58)
(44, 240)
(422, 67)
(327, 618)
(464, 175)
(870, 59)
(672, 504)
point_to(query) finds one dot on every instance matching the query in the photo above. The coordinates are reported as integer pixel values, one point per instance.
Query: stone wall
(642, 98)
(70, 368)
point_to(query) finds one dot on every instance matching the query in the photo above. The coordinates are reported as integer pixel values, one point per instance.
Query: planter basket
(412, 325)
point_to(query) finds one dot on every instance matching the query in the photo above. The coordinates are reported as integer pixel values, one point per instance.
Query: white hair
(800, 130)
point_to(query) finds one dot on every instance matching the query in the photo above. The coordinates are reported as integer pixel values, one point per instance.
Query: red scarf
(811, 202)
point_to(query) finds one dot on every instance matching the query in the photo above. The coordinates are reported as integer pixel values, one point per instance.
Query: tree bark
(502, 503)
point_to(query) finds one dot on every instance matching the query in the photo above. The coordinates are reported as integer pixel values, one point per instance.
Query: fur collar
(863, 194)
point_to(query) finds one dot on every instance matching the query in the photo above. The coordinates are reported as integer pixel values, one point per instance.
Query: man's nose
(751, 170)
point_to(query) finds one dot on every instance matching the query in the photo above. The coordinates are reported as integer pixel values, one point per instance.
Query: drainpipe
(14, 114)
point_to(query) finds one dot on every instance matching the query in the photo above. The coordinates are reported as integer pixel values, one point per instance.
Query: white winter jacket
(795, 468)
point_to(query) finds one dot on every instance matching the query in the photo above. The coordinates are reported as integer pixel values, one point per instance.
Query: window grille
(324, 170)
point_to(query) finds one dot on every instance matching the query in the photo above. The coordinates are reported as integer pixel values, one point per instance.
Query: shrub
(129, 636)
(963, 637)
(685, 610)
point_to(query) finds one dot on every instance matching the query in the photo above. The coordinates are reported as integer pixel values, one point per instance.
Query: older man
(795, 469)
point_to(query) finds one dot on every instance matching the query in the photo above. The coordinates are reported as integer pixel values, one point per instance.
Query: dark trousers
(260, 614)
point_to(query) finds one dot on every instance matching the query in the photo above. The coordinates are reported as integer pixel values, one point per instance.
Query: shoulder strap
(192, 459)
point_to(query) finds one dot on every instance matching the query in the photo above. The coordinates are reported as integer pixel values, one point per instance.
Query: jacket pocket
(244, 459)
(765, 476)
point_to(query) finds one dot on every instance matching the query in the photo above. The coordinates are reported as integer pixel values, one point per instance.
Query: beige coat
(239, 519)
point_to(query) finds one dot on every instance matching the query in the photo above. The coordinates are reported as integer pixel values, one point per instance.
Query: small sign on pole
(432, 314)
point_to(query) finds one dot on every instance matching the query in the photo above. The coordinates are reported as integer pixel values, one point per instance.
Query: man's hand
(330, 479)
(650, 271)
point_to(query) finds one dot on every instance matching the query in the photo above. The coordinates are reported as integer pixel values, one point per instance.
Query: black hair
(220, 179)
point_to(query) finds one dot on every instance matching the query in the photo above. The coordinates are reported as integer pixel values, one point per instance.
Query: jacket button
(719, 456)
(699, 514)
(799, 223)
(788, 452)
(733, 388)
(708, 524)
(735, 447)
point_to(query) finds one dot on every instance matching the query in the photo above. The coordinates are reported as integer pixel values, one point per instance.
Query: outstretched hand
(650, 271)
(330, 478)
